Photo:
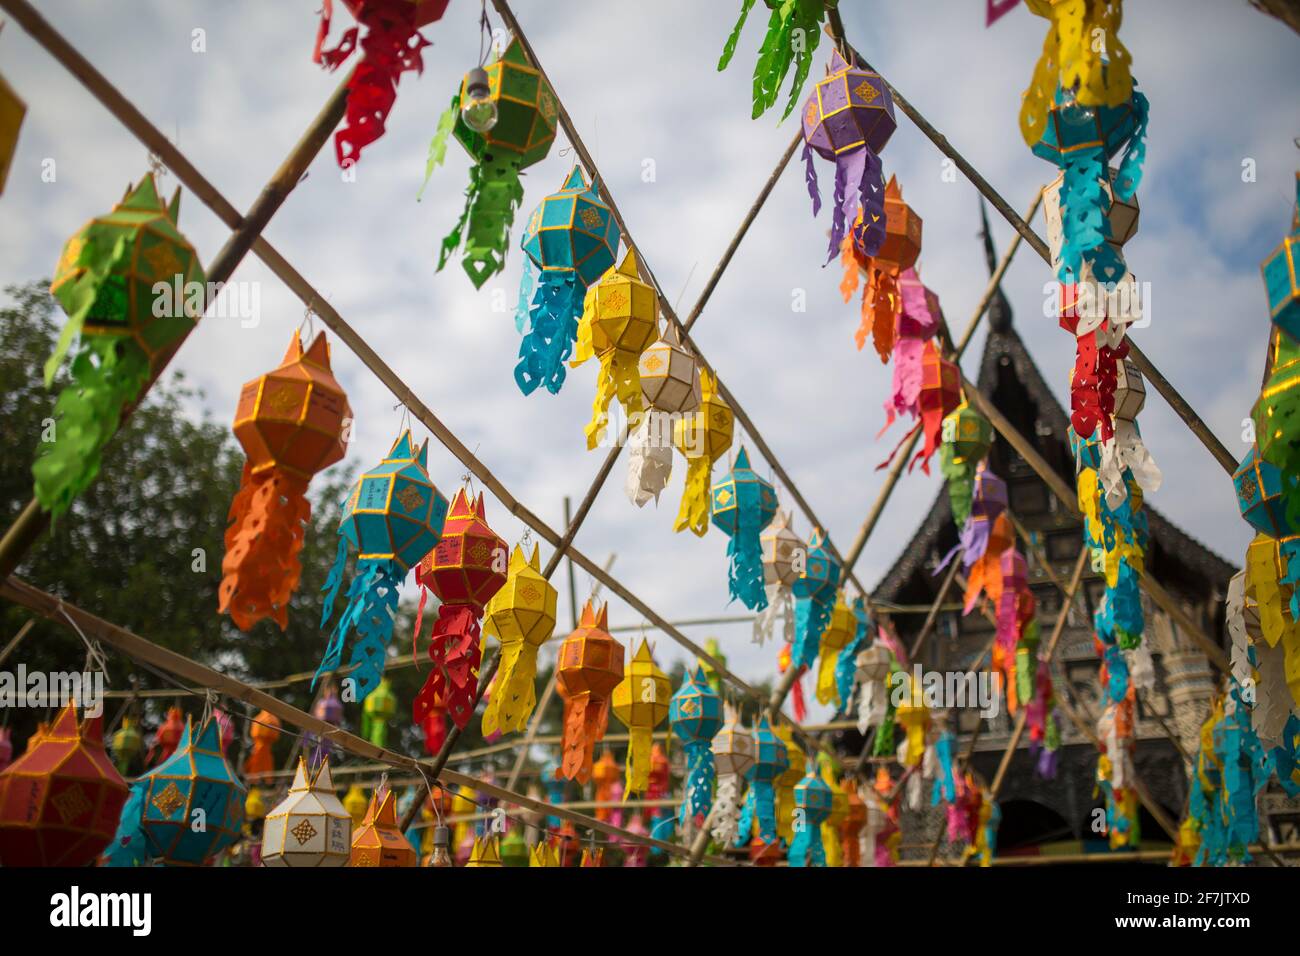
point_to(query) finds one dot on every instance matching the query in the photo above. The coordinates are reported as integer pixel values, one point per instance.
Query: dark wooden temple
(1037, 812)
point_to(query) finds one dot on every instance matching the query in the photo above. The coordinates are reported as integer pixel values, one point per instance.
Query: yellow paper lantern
(355, 803)
(486, 852)
(839, 631)
(641, 703)
(702, 438)
(521, 615)
(914, 717)
(786, 783)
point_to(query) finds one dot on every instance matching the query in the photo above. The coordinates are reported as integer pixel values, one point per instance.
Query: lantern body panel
(526, 111)
(377, 841)
(642, 698)
(1282, 286)
(573, 230)
(395, 512)
(695, 711)
(310, 827)
(467, 566)
(849, 109)
(626, 311)
(1259, 495)
(902, 244)
(670, 379)
(740, 494)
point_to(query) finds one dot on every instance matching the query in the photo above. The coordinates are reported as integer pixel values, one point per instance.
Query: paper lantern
(522, 617)
(1280, 271)
(702, 437)
(378, 841)
(743, 504)
(641, 702)
(1080, 138)
(309, 827)
(882, 296)
(814, 598)
(162, 815)
(839, 631)
(813, 797)
(783, 554)
(733, 755)
(1125, 456)
(967, 437)
(1121, 217)
(464, 571)
(486, 852)
(527, 112)
(514, 849)
(254, 809)
(771, 760)
(105, 281)
(1259, 485)
(328, 708)
(355, 803)
(127, 744)
(845, 669)
(619, 322)
(695, 716)
(264, 732)
(847, 120)
(940, 395)
(916, 320)
(379, 708)
(167, 736)
(872, 666)
(60, 801)
(392, 45)
(589, 668)
(570, 242)
(787, 781)
(670, 376)
(12, 111)
(393, 518)
(291, 424)
(793, 30)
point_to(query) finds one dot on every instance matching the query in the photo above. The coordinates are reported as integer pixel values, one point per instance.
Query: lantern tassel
(553, 331)
(807, 847)
(637, 770)
(827, 684)
(515, 694)
(694, 510)
(810, 179)
(811, 615)
(798, 703)
(619, 378)
(584, 724)
(745, 573)
(456, 651)
(724, 818)
(760, 807)
(371, 604)
(871, 706)
(780, 609)
(128, 847)
(493, 195)
(106, 374)
(649, 458)
(260, 571)
(698, 795)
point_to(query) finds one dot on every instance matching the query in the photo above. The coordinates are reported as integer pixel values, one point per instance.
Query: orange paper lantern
(589, 668)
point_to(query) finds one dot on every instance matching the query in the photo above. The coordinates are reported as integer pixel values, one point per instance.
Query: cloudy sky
(640, 82)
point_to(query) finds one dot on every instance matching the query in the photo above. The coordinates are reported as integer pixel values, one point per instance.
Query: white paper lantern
(310, 826)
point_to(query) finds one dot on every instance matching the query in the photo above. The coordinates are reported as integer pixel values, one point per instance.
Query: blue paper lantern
(771, 759)
(846, 665)
(571, 241)
(1081, 141)
(1282, 278)
(1259, 495)
(185, 810)
(814, 598)
(393, 518)
(743, 505)
(813, 797)
(695, 716)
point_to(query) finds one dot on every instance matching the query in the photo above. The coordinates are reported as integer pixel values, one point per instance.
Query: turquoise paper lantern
(743, 504)
(1280, 278)
(695, 716)
(812, 796)
(771, 759)
(814, 597)
(1259, 495)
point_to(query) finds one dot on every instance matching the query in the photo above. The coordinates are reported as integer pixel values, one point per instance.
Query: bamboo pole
(1170, 394)
(32, 522)
(147, 652)
(17, 639)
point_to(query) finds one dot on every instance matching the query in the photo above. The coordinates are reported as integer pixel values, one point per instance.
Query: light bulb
(441, 841)
(477, 108)
(1072, 111)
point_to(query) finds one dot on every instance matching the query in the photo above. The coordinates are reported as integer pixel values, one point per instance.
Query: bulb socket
(476, 84)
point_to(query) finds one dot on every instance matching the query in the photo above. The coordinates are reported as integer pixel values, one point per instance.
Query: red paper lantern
(940, 395)
(60, 801)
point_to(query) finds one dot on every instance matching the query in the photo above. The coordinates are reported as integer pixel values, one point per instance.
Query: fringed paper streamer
(786, 783)
(780, 50)
(812, 801)
(724, 818)
(847, 120)
(702, 437)
(779, 612)
(553, 329)
(641, 702)
(742, 505)
(397, 493)
(585, 721)
(493, 195)
(590, 668)
(872, 705)
(914, 717)
(1126, 452)
(940, 393)
(814, 593)
(649, 458)
(784, 661)
(840, 629)
(260, 571)
(846, 664)
(985, 573)
(390, 47)
(884, 745)
(264, 732)
(522, 617)
(105, 281)
(945, 785)
(967, 437)
(988, 499)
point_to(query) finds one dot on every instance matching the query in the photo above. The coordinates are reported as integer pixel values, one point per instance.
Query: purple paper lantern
(848, 119)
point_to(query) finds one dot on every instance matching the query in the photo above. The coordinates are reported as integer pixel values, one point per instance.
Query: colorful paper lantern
(883, 316)
(695, 716)
(1260, 486)
(733, 755)
(309, 827)
(167, 736)
(468, 566)
(641, 701)
(105, 282)
(813, 797)
(392, 45)
(328, 708)
(967, 437)
(847, 120)
(1281, 277)
(184, 811)
(620, 320)
(527, 112)
(264, 732)
(570, 242)
(743, 504)
(60, 801)
(916, 320)
(783, 561)
(393, 518)
(702, 437)
(522, 617)
(814, 598)
(127, 744)
(378, 709)
(871, 668)
(670, 387)
(839, 630)
(770, 761)
(940, 396)
(291, 423)
(377, 841)
(787, 781)
(589, 668)
(793, 30)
